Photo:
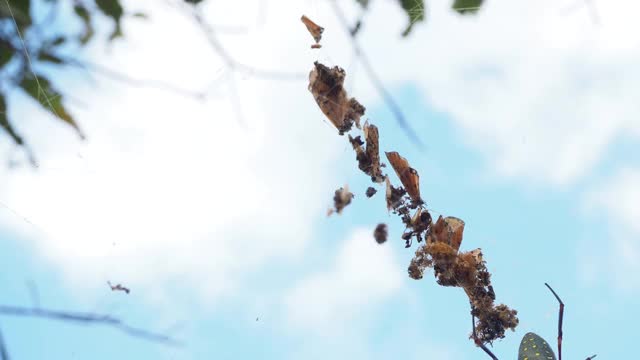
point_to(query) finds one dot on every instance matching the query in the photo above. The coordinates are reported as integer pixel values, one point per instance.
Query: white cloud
(539, 92)
(168, 189)
(618, 197)
(362, 277)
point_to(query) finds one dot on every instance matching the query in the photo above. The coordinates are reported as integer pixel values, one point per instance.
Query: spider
(532, 346)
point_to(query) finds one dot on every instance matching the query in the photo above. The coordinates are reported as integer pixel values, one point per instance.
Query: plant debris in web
(326, 85)
(370, 192)
(440, 250)
(369, 156)
(341, 198)
(381, 233)
(466, 270)
(408, 175)
(118, 287)
(315, 30)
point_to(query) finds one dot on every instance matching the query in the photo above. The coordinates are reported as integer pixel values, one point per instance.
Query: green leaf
(6, 53)
(467, 6)
(114, 10)
(41, 90)
(5, 124)
(52, 58)
(84, 15)
(20, 10)
(415, 12)
(533, 347)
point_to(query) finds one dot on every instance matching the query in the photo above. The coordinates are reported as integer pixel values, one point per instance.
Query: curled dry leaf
(369, 157)
(341, 198)
(314, 29)
(326, 85)
(408, 175)
(381, 233)
(447, 230)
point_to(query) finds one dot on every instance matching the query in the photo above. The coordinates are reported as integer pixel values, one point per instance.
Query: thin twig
(4, 353)
(391, 103)
(231, 62)
(127, 79)
(87, 318)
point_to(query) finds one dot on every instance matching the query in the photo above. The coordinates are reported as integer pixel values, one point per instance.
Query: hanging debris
(326, 85)
(408, 175)
(381, 233)
(341, 198)
(466, 270)
(314, 29)
(370, 192)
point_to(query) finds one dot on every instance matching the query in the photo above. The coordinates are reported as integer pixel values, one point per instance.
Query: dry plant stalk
(443, 238)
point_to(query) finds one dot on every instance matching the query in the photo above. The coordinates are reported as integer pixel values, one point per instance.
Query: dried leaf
(314, 29)
(408, 175)
(326, 85)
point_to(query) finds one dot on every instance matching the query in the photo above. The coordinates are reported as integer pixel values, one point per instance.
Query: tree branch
(88, 318)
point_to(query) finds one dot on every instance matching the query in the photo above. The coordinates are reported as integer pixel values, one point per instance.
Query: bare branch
(88, 318)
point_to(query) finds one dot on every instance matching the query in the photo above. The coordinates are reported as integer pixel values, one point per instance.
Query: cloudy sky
(213, 211)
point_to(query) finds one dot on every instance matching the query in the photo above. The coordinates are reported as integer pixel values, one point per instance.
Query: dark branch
(87, 318)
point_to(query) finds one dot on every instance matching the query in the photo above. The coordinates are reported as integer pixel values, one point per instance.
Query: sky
(213, 211)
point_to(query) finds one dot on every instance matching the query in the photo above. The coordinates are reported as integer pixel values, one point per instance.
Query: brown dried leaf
(326, 85)
(408, 175)
(314, 29)
(371, 137)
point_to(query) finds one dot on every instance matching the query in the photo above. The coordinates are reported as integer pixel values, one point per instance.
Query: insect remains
(314, 29)
(118, 287)
(326, 85)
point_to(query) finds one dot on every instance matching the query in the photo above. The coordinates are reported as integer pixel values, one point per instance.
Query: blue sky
(529, 134)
